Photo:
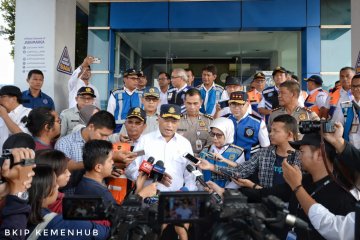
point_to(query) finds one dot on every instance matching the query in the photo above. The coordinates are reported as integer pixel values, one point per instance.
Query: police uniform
(196, 130)
(69, 119)
(210, 98)
(349, 118)
(300, 114)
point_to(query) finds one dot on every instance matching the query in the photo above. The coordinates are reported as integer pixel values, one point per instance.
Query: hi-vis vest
(254, 97)
(334, 99)
(310, 102)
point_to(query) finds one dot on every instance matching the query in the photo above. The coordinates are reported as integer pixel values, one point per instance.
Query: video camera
(316, 126)
(7, 154)
(132, 220)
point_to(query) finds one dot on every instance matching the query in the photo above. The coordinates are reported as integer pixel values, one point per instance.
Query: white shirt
(301, 100)
(224, 97)
(332, 226)
(15, 115)
(112, 103)
(163, 99)
(75, 84)
(320, 97)
(344, 96)
(171, 154)
(354, 138)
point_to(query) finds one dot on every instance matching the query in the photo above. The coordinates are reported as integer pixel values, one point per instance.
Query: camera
(134, 220)
(7, 154)
(316, 126)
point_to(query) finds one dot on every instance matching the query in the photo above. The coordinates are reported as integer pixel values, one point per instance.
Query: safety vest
(334, 99)
(310, 102)
(232, 153)
(349, 110)
(254, 98)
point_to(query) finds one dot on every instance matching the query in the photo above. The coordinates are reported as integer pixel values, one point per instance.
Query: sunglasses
(218, 135)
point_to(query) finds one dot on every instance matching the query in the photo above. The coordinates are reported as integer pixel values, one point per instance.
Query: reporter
(44, 192)
(18, 180)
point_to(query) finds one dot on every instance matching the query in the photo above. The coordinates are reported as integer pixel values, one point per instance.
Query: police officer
(288, 99)
(194, 125)
(250, 129)
(317, 96)
(122, 99)
(270, 94)
(70, 117)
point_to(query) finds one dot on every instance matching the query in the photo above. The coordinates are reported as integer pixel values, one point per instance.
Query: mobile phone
(191, 158)
(96, 60)
(291, 157)
(230, 174)
(79, 207)
(140, 153)
(224, 104)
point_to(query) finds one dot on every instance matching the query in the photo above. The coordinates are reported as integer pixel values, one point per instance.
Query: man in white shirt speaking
(168, 146)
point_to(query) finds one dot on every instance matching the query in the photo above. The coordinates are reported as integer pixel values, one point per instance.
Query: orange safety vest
(334, 99)
(254, 96)
(311, 100)
(119, 186)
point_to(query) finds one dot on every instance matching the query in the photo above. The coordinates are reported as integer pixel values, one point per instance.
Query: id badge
(291, 235)
(354, 128)
(198, 144)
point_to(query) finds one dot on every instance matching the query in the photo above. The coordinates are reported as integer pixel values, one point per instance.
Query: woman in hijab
(222, 152)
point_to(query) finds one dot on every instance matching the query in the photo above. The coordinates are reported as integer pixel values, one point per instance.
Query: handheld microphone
(294, 221)
(157, 171)
(199, 179)
(146, 166)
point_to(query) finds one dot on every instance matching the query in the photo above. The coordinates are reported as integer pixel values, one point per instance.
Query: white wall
(43, 29)
(355, 30)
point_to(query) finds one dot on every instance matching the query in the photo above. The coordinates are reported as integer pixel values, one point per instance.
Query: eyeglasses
(217, 135)
(134, 78)
(259, 81)
(172, 77)
(357, 87)
(151, 99)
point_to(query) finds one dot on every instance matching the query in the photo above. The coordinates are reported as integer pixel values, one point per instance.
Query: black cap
(170, 110)
(141, 73)
(232, 81)
(11, 91)
(315, 78)
(131, 71)
(19, 140)
(312, 139)
(138, 113)
(86, 91)
(238, 97)
(259, 75)
(279, 69)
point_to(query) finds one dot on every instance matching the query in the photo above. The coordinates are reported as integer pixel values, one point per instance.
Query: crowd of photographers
(263, 141)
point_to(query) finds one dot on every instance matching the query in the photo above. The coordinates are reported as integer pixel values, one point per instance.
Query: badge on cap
(171, 110)
(151, 90)
(302, 116)
(136, 110)
(87, 89)
(249, 132)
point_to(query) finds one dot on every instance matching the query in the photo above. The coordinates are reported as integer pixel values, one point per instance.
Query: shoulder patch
(276, 109)
(171, 90)
(268, 90)
(208, 116)
(219, 87)
(255, 116)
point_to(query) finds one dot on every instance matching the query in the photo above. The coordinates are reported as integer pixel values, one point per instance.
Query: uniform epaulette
(117, 90)
(275, 109)
(198, 86)
(171, 90)
(219, 86)
(307, 109)
(209, 116)
(236, 146)
(255, 116)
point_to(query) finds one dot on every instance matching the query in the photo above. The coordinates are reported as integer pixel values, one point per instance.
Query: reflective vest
(310, 102)
(254, 97)
(334, 99)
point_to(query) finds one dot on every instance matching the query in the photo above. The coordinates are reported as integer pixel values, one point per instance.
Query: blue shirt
(42, 100)
(88, 186)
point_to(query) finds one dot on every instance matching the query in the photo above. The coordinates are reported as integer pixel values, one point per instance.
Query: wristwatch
(22, 195)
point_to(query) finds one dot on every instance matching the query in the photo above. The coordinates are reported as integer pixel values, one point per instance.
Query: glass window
(335, 12)
(335, 49)
(329, 81)
(98, 46)
(99, 15)
(100, 82)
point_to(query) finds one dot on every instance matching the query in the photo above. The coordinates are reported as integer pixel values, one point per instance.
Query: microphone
(157, 171)
(146, 166)
(294, 221)
(200, 180)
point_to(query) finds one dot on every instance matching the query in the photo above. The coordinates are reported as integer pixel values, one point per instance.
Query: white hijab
(226, 126)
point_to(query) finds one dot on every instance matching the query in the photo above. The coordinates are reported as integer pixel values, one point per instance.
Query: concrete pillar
(43, 29)
(355, 30)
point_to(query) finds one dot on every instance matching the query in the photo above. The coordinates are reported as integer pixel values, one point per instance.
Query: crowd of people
(242, 140)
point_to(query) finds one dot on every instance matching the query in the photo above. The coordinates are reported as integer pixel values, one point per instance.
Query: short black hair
(95, 152)
(56, 159)
(290, 123)
(348, 68)
(292, 86)
(102, 119)
(166, 74)
(38, 118)
(34, 71)
(210, 68)
(192, 92)
(189, 70)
